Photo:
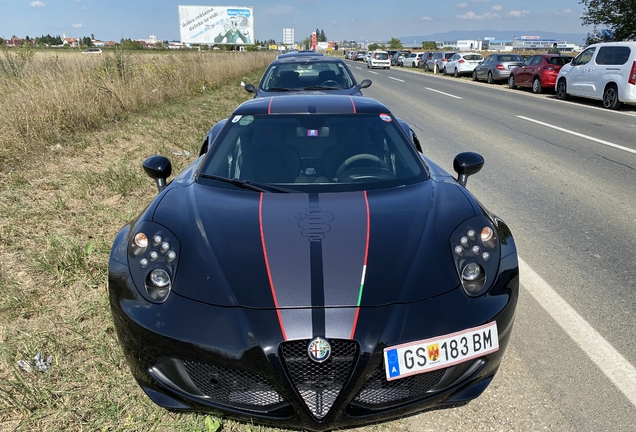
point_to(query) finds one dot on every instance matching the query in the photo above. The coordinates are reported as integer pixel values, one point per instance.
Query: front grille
(377, 392)
(233, 387)
(319, 384)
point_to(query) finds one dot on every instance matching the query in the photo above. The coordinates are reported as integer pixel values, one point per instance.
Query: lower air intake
(319, 384)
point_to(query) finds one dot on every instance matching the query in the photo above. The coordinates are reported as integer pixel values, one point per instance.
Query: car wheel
(536, 85)
(490, 80)
(436, 68)
(426, 69)
(444, 72)
(413, 65)
(610, 97)
(561, 90)
(475, 76)
(456, 73)
(511, 82)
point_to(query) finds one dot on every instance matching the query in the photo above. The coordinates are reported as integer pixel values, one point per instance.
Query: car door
(578, 77)
(484, 67)
(523, 76)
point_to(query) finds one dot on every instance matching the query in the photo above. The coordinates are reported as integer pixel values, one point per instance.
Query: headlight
(476, 251)
(153, 258)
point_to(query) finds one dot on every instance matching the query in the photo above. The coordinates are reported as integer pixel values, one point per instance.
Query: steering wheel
(330, 83)
(362, 156)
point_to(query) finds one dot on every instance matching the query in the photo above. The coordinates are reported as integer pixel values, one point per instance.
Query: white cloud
(517, 14)
(36, 4)
(426, 18)
(564, 12)
(461, 5)
(78, 25)
(474, 16)
(497, 7)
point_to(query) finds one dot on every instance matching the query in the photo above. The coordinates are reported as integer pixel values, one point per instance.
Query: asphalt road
(563, 176)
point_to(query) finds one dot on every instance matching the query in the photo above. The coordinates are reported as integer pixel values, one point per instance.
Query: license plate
(440, 352)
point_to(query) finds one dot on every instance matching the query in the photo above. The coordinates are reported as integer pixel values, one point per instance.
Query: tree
(373, 47)
(429, 46)
(616, 17)
(395, 44)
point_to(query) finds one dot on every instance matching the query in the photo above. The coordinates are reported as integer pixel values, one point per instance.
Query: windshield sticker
(385, 117)
(312, 132)
(236, 118)
(246, 120)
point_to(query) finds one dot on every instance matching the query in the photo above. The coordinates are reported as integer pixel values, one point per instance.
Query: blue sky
(372, 20)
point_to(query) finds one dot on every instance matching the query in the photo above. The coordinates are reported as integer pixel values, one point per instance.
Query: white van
(603, 71)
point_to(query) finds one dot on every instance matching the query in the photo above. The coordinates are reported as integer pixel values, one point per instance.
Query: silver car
(496, 67)
(437, 62)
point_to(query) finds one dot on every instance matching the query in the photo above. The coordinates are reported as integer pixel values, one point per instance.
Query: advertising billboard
(232, 25)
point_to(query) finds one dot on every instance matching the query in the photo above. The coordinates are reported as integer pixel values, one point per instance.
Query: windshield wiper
(321, 88)
(246, 184)
(279, 89)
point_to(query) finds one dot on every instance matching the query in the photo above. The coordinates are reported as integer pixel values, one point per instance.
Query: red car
(538, 72)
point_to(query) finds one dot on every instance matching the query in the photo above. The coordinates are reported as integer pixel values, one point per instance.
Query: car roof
(311, 104)
(306, 59)
(300, 54)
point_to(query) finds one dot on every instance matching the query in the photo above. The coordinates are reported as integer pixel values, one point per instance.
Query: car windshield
(304, 75)
(510, 58)
(473, 57)
(381, 56)
(305, 152)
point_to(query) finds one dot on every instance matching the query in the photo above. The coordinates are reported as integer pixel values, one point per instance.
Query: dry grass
(46, 97)
(62, 202)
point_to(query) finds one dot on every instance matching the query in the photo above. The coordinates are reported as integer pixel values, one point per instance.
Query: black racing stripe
(317, 279)
(311, 105)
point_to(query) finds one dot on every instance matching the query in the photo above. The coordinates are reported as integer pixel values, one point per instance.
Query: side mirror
(467, 164)
(250, 88)
(365, 83)
(158, 168)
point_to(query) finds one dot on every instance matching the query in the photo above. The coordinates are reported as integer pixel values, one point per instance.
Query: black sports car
(292, 74)
(312, 269)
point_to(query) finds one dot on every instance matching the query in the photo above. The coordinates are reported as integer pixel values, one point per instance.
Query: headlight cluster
(476, 252)
(153, 254)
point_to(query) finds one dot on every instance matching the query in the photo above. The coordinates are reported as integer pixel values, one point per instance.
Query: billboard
(217, 24)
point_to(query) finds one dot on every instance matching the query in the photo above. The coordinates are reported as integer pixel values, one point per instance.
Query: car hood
(297, 250)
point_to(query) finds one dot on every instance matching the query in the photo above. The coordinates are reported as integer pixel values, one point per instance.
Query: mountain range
(496, 34)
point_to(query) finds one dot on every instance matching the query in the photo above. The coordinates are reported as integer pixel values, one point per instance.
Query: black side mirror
(365, 83)
(158, 168)
(250, 88)
(467, 164)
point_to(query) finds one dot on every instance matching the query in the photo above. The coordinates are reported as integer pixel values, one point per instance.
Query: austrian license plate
(440, 352)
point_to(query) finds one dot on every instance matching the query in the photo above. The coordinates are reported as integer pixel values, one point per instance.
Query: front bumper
(187, 355)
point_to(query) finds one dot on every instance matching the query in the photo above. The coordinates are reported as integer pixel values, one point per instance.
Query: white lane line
(396, 79)
(441, 92)
(615, 367)
(372, 72)
(600, 141)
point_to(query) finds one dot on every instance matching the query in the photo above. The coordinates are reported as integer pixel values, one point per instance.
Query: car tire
(561, 90)
(426, 69)
(490, 80)
(511, 82)
(456, 73)
(610, 97)
(475, 78)
(413, 65)
(536, 85)
(444, 72)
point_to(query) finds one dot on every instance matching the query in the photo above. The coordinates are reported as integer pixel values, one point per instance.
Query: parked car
(437, 62)
(398, 58)
(538, 72)
(605, 71)
(315, 74)
(412, 60)
(379, 59)
(313, 270)
(360, 55)
(92, 50)
(496, 67)
(425, 57)
(462, 63)
(300, 53)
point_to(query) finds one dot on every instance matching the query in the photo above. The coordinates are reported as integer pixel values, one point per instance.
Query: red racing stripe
(269, 274)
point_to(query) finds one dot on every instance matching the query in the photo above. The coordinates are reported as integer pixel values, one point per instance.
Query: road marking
(373, 72)
(396, 79)
(441, 92)
(615, 367)
(600, 141)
